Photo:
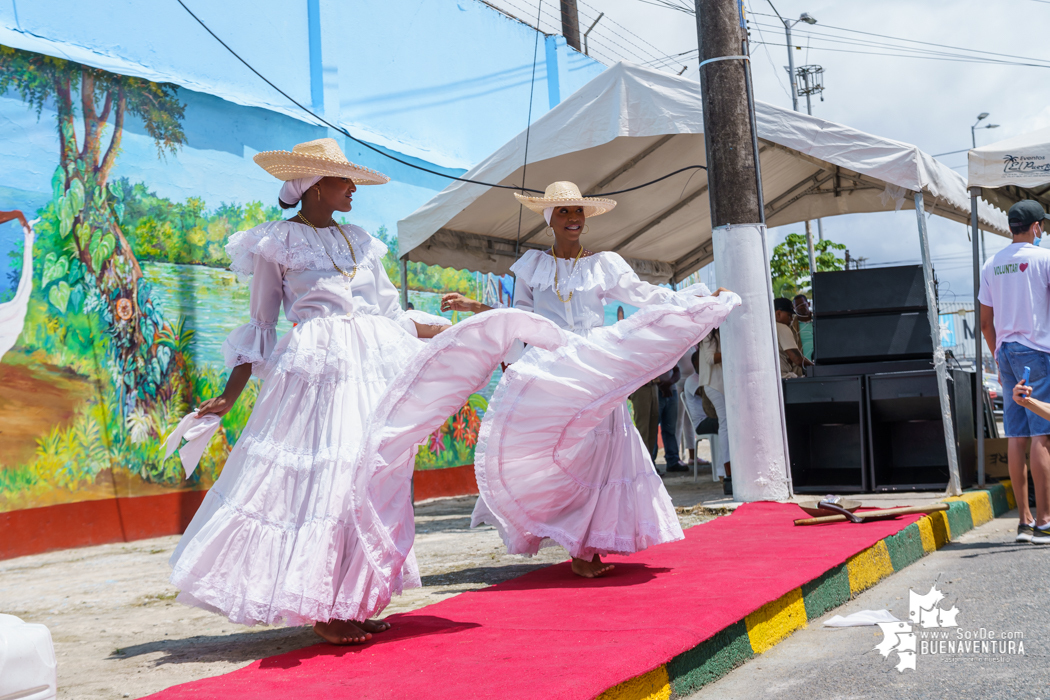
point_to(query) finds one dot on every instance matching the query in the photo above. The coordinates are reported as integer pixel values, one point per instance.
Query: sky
(928, 103)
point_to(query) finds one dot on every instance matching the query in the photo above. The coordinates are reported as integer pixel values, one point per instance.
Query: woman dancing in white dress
(275, 539)
(558, 457)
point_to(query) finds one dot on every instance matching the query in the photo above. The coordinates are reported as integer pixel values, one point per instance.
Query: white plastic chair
(28, 668)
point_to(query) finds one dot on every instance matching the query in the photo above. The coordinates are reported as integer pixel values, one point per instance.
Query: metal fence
(957, 330)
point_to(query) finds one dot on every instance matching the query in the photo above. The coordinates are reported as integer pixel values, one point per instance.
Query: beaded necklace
(348, 275)
(574, 262)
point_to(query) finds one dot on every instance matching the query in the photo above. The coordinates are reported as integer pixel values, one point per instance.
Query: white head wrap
(292, 190)
(547, 213)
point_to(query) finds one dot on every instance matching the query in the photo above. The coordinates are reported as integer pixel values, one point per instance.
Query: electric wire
(528, 130)
(912, 51)
(381, 152)
(916, 41)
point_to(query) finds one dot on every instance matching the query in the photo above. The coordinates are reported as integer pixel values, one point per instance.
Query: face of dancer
(567, 223)
(332, 193)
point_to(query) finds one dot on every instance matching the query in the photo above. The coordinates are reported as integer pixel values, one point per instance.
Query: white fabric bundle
(861, 619)
(197, 431)
(292, 190)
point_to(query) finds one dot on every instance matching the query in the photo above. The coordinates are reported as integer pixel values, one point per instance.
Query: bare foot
(341, 632)
(373, 626)
(590, 569)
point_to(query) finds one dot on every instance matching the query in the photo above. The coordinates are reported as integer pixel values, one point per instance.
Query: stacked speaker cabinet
(875, 315)
(906, 430)
(825, 430)
(868, 416)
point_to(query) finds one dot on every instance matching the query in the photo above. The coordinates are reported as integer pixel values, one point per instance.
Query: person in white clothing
(274, 540)
(709, 367)
(558, 457)
(1015, 321)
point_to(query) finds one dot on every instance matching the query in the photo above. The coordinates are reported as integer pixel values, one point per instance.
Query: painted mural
(130, 301)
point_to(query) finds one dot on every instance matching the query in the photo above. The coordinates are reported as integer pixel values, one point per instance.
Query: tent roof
(631, 125)
(1013, 169)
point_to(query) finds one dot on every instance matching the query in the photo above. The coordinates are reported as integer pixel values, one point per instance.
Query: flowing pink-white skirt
(558, 458)
(312, 516)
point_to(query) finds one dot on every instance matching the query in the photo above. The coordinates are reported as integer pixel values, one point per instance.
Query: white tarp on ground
(1014, 169)
(631, 125)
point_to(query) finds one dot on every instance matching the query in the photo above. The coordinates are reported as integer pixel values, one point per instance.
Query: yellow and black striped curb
(775, 621)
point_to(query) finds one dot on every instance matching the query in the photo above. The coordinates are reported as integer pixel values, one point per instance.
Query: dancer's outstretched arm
(222, 403)
(455, 301)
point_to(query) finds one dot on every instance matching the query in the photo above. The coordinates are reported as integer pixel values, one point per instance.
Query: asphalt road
(996, 585)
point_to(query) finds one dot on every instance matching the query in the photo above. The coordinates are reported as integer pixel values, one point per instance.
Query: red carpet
(550, 634)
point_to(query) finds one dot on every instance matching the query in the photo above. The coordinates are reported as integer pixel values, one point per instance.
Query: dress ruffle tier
(557, 456)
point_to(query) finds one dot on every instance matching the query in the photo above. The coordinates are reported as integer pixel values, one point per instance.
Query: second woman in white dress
(558, 458)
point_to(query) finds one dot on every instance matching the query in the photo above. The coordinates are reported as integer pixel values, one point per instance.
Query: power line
(915, 41)
(369, 146)
(919, 52)
(920, 56)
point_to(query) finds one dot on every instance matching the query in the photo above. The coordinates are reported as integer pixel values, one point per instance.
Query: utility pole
(751, 363)
(570, 23)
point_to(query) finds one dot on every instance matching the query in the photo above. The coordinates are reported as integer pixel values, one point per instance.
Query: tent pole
(978, 355)
(954, 488)
(403, 264)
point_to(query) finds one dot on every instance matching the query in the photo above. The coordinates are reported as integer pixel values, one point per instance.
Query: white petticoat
(557, 455)
(275, 540)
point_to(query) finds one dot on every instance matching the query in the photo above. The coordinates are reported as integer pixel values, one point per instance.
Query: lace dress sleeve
(254, 341)
(625, 286)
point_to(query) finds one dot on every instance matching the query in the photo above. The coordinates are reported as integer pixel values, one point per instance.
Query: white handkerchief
(197, 432)
(861, 619)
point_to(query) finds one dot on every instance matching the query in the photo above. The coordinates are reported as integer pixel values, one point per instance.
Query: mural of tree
(97, 269)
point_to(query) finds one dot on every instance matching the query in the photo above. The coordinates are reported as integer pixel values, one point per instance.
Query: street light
(788, 24)
(973, 129)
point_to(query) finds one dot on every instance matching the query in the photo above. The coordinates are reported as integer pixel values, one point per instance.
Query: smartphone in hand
(1027, 374)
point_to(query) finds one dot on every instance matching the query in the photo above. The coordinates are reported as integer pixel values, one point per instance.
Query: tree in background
(89, 264)
(790, 264)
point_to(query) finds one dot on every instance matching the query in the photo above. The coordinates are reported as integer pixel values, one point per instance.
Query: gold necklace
(348, 275)
(576, 260)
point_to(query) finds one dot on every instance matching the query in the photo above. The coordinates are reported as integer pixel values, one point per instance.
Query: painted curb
(775, 621)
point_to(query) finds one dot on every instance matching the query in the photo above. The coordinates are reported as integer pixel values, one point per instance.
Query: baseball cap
(785, 305)
(1025, 213)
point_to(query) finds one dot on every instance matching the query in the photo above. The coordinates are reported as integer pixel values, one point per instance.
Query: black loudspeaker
(877, 289)
(906, 432)
(884, 336)
(825, 431)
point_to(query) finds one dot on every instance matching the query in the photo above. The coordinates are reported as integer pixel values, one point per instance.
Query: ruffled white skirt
(558, 458)
(275, 539)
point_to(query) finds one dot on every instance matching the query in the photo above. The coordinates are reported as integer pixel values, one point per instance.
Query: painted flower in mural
(459, 428)
(473, 421)
(437, 442)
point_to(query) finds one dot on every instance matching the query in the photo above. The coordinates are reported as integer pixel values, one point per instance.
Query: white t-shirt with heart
(1015, 282)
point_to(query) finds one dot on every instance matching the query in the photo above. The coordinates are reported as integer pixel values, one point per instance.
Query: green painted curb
(710, 660)
(997, 493)
(959, 518)
(826, 592)
(729, 648)
(905, 547)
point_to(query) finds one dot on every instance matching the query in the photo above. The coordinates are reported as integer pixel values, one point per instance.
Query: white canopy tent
(1004, 173)
(631, 125)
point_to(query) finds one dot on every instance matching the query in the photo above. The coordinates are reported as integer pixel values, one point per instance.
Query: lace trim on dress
(298, 247)
(603, 270)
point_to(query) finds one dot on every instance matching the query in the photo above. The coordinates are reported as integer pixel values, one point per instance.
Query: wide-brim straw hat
(320, 158)
(567, 194)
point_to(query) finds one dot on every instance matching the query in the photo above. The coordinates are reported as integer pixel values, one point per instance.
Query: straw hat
(566, 194)
(322, 157)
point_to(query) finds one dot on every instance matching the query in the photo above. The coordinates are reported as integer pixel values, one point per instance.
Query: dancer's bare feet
(373, 626)
(341, 632)
(590, 569)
